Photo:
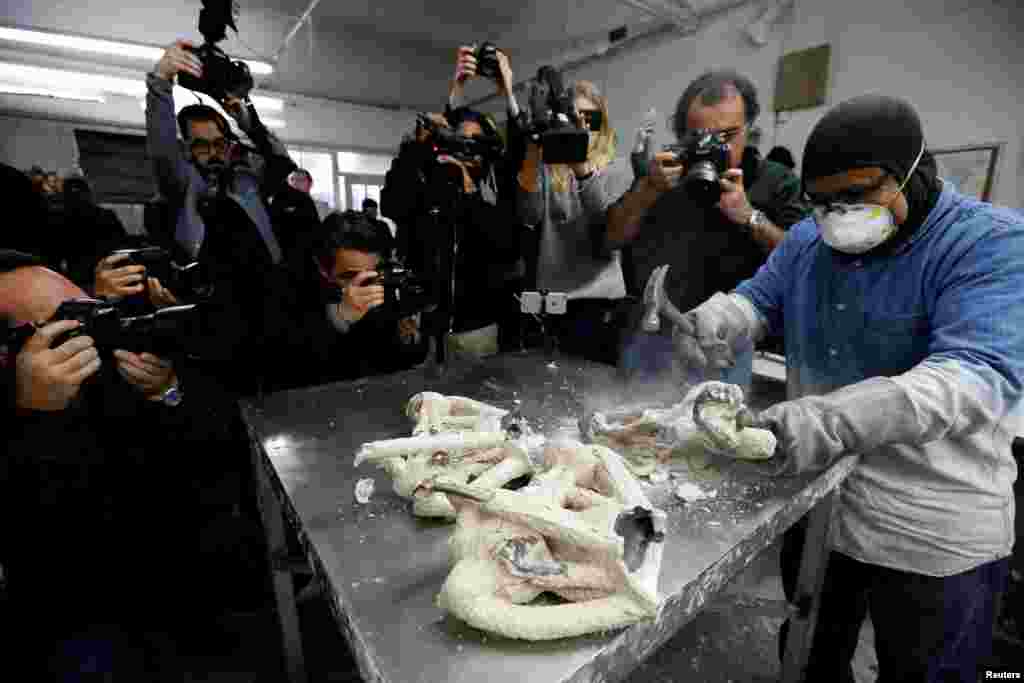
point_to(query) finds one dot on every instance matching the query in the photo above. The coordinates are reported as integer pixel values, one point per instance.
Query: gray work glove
(814, 431)
(707, 337)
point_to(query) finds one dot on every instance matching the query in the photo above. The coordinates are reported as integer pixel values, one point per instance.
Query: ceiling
(390, 53)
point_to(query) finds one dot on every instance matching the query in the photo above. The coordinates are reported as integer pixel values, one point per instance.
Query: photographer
(88, 232)
(93, 458)
(219, 198)
(332, 322)
(565, 203)
(474, 196)
(713, 224)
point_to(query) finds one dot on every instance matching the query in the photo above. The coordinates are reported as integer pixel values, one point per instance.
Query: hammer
(656, 302)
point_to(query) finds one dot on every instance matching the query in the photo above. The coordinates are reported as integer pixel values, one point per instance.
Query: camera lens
(701, 183)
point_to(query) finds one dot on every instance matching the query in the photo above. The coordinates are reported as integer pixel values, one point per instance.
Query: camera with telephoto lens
(405, 293)
(706, 154)
(221, 75)
(486, 55)
(163, 333)
(187, 283)
(554, 121)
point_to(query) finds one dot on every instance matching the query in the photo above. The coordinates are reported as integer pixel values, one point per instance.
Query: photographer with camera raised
(566, 203)
(336, 319)
(455, 182)
(219, 198)
(94, 436)
(695, 210)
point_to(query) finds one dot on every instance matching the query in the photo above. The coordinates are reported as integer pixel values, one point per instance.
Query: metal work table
(382, 568)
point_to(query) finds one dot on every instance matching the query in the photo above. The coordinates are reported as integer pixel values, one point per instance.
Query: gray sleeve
(173, 172)
(530, 205)
(604, 188)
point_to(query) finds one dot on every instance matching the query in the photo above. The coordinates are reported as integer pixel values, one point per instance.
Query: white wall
(27, 142)
(958, 62)
(41, 131)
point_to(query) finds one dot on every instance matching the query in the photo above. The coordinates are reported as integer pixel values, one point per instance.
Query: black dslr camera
(405, 293)
(162, 333)
(447, 141)
(187, 283)
(487, 60)
(553, 120)
(221, 75)
(706, 155)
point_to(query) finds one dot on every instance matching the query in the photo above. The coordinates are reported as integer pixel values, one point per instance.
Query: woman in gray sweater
(566, 205)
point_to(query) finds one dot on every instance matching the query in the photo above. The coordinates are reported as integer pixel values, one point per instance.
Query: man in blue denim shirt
(900, 304)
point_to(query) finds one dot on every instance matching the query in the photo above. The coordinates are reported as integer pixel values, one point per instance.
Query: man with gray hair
(710, 245)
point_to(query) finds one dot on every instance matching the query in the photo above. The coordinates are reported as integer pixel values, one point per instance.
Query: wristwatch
(173, 396)
(756, 220)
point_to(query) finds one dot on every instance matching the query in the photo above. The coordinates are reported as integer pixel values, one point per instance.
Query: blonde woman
(566, 204)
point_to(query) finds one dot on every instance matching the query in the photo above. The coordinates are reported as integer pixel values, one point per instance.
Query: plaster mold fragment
(704, 422)
(489, 459)
(582, 530)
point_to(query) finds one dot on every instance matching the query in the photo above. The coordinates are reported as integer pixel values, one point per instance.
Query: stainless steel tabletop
(383, 567)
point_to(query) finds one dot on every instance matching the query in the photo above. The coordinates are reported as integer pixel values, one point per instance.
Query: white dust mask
(858, 228)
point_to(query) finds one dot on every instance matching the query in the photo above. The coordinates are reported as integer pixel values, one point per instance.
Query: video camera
(164, 332)
(554, 121)
(187, 283)
(221, 75)
(706, 154)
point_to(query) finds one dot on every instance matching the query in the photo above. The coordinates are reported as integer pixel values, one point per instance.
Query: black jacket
(304, 349)
(706, 252)
(100, 502)
(490, 235)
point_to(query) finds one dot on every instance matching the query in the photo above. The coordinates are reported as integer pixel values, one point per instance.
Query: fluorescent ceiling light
(106, 47)
(71, 80)
(183, 98)
(75, 81)
(48, 92)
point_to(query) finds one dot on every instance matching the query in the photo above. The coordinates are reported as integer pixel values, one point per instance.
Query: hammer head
(655, 299)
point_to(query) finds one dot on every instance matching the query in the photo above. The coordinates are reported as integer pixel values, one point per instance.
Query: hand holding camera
(151, 375)
(409, 330)
(664, 171)
(115, 282)
(465, 64)
(179, 58)
(160, 296)
(734, 203)
(361, 295)
(47, 379)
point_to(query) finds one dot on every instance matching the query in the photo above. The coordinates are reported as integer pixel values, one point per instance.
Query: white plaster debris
(364, 491)
(691, 493)
(659, 476)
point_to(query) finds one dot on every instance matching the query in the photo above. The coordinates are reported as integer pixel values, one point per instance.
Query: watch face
(172, 397)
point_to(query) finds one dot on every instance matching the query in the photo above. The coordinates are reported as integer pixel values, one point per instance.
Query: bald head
(33, 293)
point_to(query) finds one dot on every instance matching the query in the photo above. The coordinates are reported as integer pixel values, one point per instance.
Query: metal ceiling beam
(674, 14)
(303, 18)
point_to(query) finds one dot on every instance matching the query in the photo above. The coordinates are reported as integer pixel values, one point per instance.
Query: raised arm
(169, 164)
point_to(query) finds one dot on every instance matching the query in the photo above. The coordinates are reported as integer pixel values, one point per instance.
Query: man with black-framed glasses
(218, 191)
(709, 246)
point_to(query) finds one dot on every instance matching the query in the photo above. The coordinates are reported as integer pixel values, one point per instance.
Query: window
(321, 167)
(361, 176)
(361, 191)
(357, 163)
